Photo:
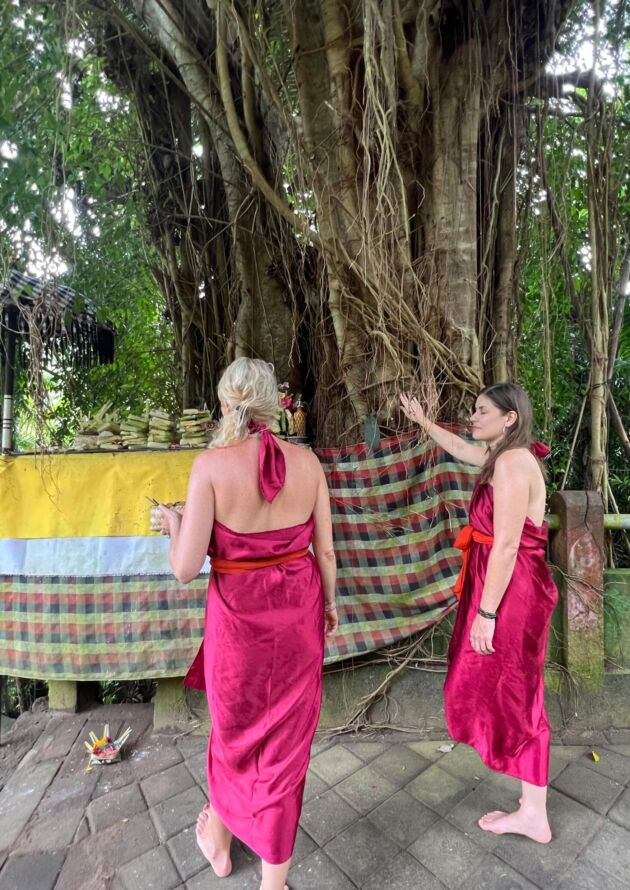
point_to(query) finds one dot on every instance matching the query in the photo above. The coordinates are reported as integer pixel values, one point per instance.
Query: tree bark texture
(352, 217)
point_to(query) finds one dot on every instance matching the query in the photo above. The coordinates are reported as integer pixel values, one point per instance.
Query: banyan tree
(337, 186)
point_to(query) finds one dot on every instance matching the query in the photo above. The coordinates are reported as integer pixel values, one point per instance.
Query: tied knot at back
(540, 450)
(272, 470)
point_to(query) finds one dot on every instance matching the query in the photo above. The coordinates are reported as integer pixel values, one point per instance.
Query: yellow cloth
(88, 495)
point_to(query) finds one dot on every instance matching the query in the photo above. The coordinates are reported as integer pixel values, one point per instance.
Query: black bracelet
(491, 616)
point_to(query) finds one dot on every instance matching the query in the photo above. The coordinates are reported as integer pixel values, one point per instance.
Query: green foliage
(18, 695)
(564, 155)
(120, 692)
(69, 201)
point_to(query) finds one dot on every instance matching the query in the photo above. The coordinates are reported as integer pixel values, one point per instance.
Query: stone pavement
(385, 813)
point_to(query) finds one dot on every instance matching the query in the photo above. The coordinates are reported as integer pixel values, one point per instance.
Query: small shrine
(53, 318)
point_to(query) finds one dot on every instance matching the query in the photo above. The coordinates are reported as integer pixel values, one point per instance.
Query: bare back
(238, 503)
(525, 464)
(224, 487)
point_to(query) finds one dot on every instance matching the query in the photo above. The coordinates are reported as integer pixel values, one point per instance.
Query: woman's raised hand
(411, 408)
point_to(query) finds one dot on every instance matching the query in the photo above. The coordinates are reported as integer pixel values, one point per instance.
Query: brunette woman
(494, 691)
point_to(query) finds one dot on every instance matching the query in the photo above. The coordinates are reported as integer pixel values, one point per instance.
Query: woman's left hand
(171, 520)
(331, 621)
(481, 634)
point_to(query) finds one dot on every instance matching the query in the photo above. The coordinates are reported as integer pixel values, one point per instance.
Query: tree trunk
(502, 261)
(449, 212)
(387, 117)
(262, 320)
(320, 43)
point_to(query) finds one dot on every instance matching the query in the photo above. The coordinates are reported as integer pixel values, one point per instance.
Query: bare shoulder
(302, 458)
(515, 460)
(206, 463)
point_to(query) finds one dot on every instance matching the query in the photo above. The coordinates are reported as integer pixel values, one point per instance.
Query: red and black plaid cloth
(396, 513)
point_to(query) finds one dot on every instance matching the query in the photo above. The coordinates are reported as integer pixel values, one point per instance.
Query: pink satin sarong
(496, 702)
(261, 667)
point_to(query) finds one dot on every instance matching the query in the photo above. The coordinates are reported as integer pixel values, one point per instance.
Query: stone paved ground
(379, 814)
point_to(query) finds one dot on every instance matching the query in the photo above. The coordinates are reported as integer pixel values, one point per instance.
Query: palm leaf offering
(134, 430)
(105, 749)
(162, 429)
(194, 428)
(97, 429)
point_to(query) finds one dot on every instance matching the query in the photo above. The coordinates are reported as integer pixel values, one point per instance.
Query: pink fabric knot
(272, 470)
(540, 450)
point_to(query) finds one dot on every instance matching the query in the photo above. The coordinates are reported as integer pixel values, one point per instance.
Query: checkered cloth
(123, 627)
(396, 513)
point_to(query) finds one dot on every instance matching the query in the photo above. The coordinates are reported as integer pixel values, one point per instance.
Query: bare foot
(220, 861)
(534, 827)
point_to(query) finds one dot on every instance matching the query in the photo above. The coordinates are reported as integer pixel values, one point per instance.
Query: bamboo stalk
(618, 521)
(575, 436)
(618, 426)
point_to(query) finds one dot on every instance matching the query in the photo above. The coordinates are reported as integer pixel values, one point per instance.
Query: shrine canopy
(54, 320)
(63, 319)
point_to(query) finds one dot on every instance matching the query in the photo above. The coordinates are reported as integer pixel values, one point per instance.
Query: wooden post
(10, 349)
(577, 549)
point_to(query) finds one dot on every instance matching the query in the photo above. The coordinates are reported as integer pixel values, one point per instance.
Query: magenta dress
(261, 666)
(496, 702)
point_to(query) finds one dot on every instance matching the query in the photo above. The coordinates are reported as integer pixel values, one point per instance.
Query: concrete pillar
(62, 695)
(69, 695)
(170, 710)
(577, 549)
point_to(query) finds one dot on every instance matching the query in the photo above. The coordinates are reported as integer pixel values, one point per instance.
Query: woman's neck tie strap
(272, 470)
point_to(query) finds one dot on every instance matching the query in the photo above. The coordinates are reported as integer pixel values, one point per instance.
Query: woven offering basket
(155, 523)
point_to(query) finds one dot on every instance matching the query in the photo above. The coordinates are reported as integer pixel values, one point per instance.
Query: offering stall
(87, 591)
(86, 587)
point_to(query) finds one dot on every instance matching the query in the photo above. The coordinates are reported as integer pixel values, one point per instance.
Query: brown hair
(509, 397)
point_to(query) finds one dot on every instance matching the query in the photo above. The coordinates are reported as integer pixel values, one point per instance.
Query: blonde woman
(257, 504)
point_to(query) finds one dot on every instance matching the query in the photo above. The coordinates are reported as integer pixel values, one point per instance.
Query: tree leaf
(371, 433)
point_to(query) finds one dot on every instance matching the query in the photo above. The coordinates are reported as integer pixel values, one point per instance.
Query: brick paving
(386, 813)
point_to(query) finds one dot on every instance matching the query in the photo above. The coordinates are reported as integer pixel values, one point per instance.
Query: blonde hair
(250, 388)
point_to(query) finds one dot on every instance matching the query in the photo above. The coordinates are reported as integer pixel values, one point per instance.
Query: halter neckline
(272, 470)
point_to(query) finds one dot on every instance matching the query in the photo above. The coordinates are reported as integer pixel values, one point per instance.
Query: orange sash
(236, 566)
(464, 542)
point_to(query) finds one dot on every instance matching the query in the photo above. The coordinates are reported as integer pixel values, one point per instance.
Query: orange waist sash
(464, 542)
(236, 566)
